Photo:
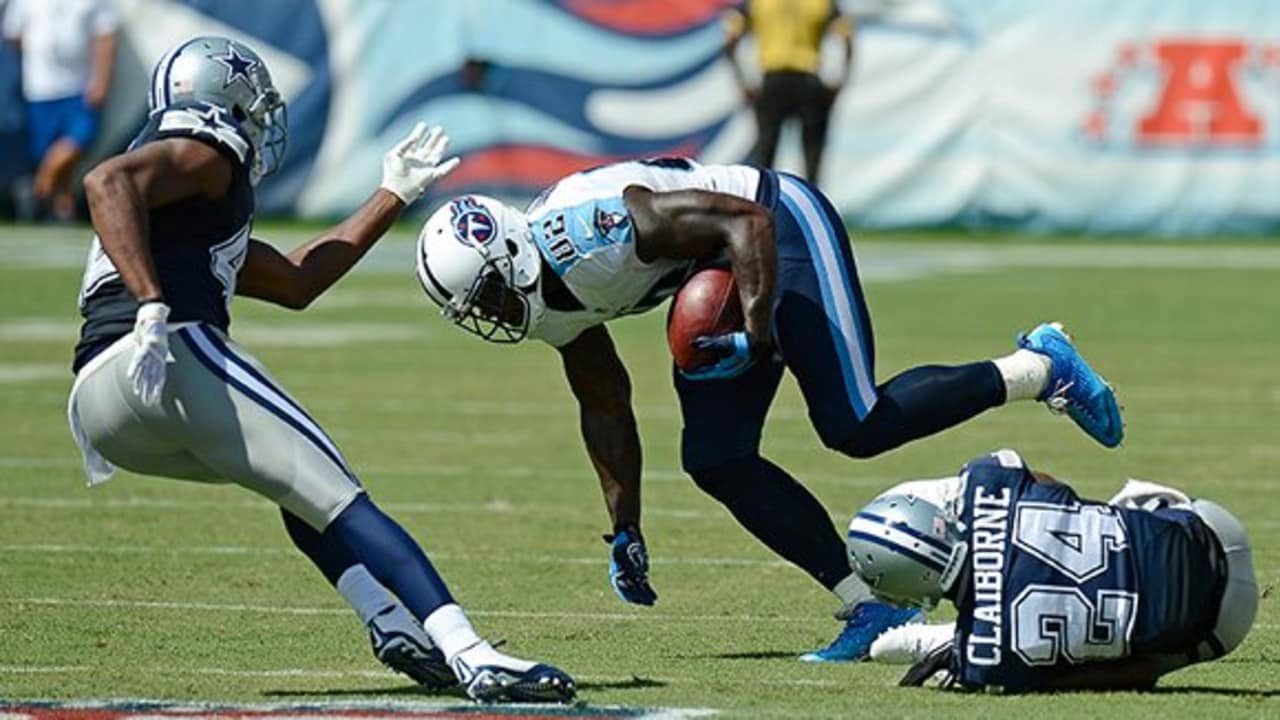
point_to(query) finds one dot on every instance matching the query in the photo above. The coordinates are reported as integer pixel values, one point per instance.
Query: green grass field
(152, 588)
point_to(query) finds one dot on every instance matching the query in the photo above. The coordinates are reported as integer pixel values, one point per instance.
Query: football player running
(1052, 591)
(161, 389)
(620, 239)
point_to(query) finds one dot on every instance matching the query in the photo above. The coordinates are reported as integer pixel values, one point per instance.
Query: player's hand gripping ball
(705, 327)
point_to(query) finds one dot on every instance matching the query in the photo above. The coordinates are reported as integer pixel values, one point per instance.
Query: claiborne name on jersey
(986, 560)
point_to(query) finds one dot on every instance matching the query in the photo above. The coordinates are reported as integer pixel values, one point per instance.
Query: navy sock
(781, 513)
(923, 401)
(326, 552)
(391, 556)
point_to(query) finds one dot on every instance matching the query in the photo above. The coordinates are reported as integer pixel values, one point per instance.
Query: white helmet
(477, 261)
(906, 549)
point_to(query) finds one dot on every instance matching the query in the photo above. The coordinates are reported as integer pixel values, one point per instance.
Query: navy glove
(734, 350)
(629, 566)
(939, 660)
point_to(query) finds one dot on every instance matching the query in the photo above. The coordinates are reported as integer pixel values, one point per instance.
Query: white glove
(411, 166)
(147, 367)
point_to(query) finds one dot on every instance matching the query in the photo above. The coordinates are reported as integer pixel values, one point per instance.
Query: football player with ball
(622, 238)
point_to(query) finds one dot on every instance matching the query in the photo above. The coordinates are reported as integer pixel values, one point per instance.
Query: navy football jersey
(1053, 579)
(198, 245)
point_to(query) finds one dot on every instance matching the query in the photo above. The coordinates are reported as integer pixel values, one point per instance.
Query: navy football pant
(822, 333)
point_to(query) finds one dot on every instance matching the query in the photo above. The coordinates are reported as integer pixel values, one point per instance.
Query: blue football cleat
(1074, 387)
(868, 621)
(494, 683)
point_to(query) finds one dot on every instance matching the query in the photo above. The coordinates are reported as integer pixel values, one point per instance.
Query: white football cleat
(492, 677)
(909, 644)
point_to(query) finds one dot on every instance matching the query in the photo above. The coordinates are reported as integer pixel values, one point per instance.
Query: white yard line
(248, 550)
(376, 674)
(27, 373)
(855, 477)
(41, 669)
(493, 507)
(312, 611)
(451, 707)
(878, 260)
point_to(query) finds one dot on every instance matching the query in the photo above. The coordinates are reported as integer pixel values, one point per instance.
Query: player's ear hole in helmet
(476, 259)
(906, 549)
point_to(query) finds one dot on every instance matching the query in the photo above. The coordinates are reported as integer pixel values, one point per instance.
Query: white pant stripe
(829, 263)
(275, 397)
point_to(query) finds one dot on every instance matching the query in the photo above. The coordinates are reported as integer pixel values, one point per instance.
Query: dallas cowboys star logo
(238, 66)
(211, 119)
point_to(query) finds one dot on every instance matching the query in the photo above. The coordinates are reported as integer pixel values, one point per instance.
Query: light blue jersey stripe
(839, 296)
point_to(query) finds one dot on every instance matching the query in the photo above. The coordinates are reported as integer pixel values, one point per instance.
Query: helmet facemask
(492, 309)
(267, 124)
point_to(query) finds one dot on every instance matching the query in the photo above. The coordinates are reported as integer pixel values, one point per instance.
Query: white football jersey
(582, 228)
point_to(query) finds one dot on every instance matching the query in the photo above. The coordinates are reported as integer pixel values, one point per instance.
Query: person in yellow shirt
(789, 36)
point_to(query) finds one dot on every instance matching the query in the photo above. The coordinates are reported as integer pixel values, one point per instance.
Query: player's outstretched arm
(600, 383)
(296, 279)
(698, 224)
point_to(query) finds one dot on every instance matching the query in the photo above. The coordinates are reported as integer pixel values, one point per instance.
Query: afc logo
(473, 226)
(1185, 93)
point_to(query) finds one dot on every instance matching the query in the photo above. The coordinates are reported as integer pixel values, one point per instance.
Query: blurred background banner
(1094, 115)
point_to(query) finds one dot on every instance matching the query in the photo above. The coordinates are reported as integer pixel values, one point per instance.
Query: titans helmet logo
(473, 226)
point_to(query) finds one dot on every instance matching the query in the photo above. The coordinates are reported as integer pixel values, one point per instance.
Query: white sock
(365, 594)
(451, 631)
(852, 591)
(1025, 373)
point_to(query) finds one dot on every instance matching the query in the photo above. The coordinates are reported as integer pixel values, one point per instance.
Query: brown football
(706, 304)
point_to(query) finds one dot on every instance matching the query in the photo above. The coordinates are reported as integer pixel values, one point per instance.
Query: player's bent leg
(113, 421)
(392, 557)
(914, 404)
(779, 512)
(723, 421)
(273, 447)
(397, 639)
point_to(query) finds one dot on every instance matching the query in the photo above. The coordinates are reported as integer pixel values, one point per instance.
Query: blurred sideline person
(68, 53)
(161, 389)
(1052, 591)
(789, 36)
(619, 240)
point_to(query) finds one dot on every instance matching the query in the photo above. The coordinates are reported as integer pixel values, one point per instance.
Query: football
(706, 304)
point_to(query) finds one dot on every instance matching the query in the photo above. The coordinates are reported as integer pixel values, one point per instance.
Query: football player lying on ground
(1052, 591)
(620, 239)
(162, 390)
